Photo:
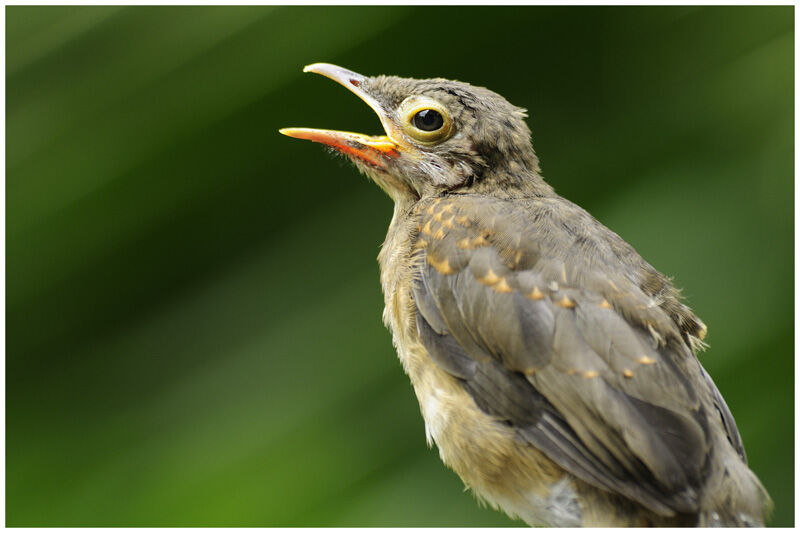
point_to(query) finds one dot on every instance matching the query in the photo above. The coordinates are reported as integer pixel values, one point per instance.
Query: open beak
(375, 150)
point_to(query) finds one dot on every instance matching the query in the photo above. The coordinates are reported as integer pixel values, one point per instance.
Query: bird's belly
(505, 472)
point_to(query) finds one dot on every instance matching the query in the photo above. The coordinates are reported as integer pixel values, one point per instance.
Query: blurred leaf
(194, 331)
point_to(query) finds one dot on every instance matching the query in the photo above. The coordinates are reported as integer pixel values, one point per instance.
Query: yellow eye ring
(425, 120)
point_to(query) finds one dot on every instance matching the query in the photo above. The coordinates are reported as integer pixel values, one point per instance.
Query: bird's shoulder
(549, 242)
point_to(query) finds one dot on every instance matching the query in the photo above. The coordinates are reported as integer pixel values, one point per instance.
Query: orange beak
(374, 150)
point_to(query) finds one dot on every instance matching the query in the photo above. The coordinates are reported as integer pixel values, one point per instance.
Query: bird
(556, 370)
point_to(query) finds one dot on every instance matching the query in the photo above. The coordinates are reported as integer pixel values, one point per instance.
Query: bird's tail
(739, 498)
(715, 519)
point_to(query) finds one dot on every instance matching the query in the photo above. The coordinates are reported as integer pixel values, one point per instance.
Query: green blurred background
(194, 329)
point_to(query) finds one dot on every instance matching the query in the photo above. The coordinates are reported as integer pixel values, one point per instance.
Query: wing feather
(578, 360)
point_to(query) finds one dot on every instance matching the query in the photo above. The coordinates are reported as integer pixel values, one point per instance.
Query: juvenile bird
(555, 369)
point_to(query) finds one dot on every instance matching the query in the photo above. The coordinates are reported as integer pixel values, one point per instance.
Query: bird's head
(440, 135)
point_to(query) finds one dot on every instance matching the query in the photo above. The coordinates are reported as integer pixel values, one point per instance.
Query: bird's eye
(428, 120)
(425, 120)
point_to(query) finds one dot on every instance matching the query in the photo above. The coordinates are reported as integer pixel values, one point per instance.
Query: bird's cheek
(432, 174)
(409, 174)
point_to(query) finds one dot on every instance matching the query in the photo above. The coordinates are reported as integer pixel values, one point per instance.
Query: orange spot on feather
(479, 241)
(443, 267)
(566, 303)
(490, 278)
(535, 294)
(502, 286)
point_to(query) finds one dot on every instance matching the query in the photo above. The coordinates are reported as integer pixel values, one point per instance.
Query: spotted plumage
(556, 370)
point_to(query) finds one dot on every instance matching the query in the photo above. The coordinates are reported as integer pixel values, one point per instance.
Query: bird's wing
(572, 353)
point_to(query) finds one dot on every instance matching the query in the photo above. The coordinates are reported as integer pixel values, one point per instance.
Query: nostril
(355, 82)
